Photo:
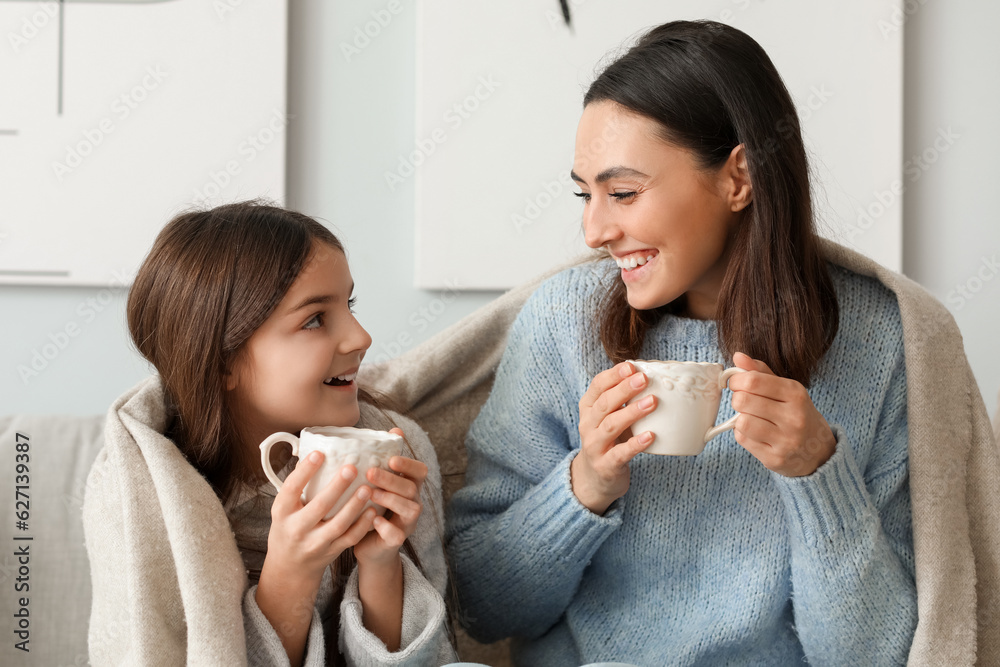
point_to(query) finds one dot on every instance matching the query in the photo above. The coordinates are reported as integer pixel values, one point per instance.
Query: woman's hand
(399, 492)
(778, 422)
(600, 472)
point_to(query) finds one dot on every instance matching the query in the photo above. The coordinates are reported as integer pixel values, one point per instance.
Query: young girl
(786, 540)
(246, 312)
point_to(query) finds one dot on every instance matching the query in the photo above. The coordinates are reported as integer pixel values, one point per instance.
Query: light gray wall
(951, 227)
(350, 120)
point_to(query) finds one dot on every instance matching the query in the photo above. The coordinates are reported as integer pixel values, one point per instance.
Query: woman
(788, 539)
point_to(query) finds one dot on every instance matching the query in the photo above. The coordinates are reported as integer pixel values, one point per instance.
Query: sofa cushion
(56, 578)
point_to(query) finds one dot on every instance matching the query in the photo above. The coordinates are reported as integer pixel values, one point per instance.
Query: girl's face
(667, 222)
(298, 368)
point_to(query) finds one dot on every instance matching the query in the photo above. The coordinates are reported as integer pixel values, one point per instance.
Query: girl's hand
(301, 543)
(399, 492)
(600, 473)
(778, 422)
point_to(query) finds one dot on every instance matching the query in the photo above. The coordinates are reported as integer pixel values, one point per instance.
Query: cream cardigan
(169, 584)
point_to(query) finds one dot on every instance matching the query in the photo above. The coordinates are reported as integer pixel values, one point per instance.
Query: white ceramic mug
(687, 401)
(341, 445)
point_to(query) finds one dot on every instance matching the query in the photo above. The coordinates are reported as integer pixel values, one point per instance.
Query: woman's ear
(738, 188)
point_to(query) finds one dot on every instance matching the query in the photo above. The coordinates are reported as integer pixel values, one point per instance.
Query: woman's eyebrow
(611, 172)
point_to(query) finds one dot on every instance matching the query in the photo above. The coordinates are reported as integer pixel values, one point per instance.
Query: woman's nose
(597, 229)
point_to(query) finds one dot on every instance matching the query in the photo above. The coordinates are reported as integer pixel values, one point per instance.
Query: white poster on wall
(499, 94)
(116, 115)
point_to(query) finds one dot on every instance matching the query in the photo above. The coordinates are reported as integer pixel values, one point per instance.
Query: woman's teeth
(341, 379)
(629, 263)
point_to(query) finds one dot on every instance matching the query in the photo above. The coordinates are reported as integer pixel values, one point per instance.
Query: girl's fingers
(415, 470)
(603, 381)
(408, 486)
(391, 534)
(406, 509)
(323, 502)
(347, 515)
(288, 498)
(342, 539)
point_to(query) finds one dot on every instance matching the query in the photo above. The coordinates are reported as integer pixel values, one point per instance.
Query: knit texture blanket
(954, 458)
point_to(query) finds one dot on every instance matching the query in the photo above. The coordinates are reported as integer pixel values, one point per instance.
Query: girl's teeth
(349, 377)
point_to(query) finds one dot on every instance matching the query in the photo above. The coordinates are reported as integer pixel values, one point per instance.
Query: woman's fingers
(616, 423)
(610, 403)
(604, 381)
(758, 406)
(621, 454)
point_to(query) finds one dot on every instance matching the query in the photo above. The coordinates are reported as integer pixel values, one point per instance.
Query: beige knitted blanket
(954, 458)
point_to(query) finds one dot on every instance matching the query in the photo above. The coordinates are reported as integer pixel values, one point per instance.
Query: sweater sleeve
(852, 565)
(264, 648)
(424, 638)
(518, 539)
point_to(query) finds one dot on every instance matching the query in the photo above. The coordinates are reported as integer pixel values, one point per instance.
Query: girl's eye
(351, 303)
(585, 196)
(316, 320)
(623, 196)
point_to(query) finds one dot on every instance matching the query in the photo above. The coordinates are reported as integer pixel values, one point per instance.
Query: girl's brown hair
(711, 87)
(209, 282)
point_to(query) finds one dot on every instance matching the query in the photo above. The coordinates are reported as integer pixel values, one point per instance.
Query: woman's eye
(585, 196)
(623, 196)
(351, 303)
(314, 322)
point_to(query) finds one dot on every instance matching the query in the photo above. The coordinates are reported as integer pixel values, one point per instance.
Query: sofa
(47, 588)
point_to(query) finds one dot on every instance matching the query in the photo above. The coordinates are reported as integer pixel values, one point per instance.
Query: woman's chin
(640, 301)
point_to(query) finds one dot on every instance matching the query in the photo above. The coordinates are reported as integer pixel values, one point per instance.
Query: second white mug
(687, 401)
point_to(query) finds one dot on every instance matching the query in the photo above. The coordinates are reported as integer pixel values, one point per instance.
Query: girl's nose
(358, 339)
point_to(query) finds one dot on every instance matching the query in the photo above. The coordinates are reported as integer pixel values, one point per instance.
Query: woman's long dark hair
(711, 87)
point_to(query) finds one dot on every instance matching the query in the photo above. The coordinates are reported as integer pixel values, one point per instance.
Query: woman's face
(298, 368)
(667, 222)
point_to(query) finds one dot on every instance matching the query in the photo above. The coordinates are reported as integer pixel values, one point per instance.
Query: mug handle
(731, 422)
(265, 454)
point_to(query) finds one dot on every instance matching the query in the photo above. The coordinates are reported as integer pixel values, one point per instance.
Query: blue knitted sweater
(707, 560)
